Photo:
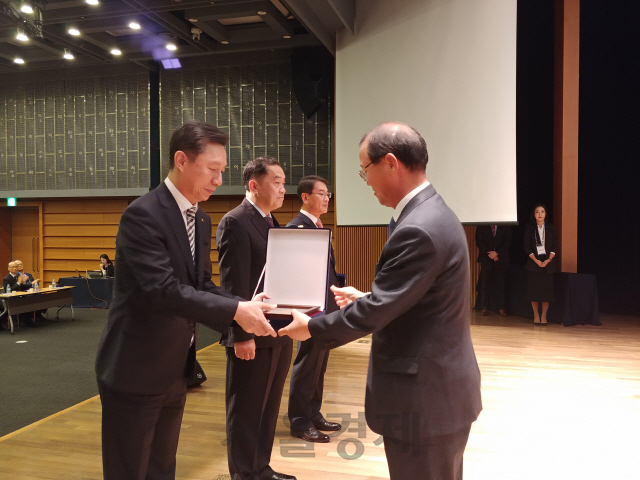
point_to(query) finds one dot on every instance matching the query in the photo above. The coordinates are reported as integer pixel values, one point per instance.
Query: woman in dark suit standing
(106, 266)
(540, 243)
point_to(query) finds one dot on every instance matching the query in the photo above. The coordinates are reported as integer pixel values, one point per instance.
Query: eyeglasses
(362, 173)
(327, 195)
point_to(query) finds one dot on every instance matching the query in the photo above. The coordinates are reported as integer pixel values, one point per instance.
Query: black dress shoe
(327, 426)
(278, 476)
(311, 434)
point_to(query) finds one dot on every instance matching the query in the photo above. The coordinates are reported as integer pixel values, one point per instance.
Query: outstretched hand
(298, 329)
(345, 295)
(250, 316)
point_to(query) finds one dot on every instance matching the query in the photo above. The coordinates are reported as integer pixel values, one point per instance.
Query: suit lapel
(176, 222)
(257, 219)
(423, 195)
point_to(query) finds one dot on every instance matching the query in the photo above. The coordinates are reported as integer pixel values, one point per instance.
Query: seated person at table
(106, 266)
(19, 283)
(39, 313)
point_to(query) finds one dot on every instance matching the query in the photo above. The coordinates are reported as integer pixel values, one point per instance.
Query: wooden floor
(559, 403)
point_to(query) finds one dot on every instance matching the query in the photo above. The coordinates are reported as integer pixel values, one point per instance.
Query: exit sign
(11, 202)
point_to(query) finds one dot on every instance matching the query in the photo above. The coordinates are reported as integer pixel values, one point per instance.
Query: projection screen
(447, 68)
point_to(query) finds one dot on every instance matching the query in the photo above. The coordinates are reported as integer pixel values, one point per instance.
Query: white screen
(448, 69)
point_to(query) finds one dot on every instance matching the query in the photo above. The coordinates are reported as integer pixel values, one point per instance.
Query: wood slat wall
(77, 232)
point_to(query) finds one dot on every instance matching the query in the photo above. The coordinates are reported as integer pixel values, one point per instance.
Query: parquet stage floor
(559, 404)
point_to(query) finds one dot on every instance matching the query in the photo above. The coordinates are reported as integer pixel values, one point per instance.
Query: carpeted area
(53, 368)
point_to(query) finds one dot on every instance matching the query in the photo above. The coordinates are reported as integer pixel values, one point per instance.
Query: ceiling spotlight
(74, 31)
(286, 36)
(93, 2)
(26, 7)
(116, 51)
(171, 46)
(193, 20)
(225, 42)
(67, 54)
(18, 60)
(134, 25)
(21, 35)
(261, 12)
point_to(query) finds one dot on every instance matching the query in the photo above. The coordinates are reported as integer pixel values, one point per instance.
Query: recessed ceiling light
(18, 60)
(286, 36)
(74, 31)
(134, 25)
(261, 12)
(193, 20)
(171, 46)
(93, 2)
(67, 54)
(26, 7)
(225, 42)
(21, 35)
(116, 51)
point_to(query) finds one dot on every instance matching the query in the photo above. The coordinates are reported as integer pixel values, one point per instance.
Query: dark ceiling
(196, 28)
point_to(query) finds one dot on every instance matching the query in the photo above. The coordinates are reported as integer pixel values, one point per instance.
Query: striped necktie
(191, 230)
(318, 223)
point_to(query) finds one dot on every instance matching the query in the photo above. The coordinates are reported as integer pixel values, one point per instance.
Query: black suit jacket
(486, 242)
(302, 221)
(158, 296)
(422, 367)
(551, 244)
(242, 252)
(15, 287)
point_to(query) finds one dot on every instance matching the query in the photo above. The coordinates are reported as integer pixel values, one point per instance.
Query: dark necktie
(493, 229)
(318, 223)
(191, 230)
(269, 220)
(392, 225)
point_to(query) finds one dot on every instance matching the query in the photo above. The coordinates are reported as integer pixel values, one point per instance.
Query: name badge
(541, 250)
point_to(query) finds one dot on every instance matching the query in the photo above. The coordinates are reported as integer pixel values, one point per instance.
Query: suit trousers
(140, 433)
(253, 394)
(433, 458)
(492, 275)
(307, 385)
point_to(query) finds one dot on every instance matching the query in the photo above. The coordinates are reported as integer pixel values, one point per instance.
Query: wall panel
(76, 233)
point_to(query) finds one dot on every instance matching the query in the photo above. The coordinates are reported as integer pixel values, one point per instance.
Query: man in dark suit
(19, 282)
(39, 314)
(164, 287)
(256, 367)
(423, 387)
(493, 256)
(310, 364)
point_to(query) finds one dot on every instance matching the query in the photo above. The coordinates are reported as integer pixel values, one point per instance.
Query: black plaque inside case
(296, 272)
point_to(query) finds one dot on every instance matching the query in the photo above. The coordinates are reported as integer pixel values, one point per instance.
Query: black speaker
(312, 78)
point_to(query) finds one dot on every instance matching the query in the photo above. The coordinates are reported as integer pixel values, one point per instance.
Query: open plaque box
(296, 272)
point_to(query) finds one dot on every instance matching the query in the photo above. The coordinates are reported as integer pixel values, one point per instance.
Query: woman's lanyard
(540, 241)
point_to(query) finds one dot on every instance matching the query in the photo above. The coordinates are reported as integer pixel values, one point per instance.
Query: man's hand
(245, 350)
(260, 297)
(21, 278)
(344, 296)
(250, 317)
(298, 329)
(493, 255)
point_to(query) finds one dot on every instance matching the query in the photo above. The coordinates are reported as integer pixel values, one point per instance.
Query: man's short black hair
(256, 169)
(192, 138)
(404, 142)
(307, 184)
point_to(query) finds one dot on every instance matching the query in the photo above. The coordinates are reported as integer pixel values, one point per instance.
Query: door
(25, 242)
